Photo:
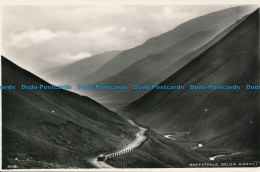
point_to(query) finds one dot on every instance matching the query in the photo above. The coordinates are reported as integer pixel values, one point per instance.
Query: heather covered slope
(36, 137)
(219, 118)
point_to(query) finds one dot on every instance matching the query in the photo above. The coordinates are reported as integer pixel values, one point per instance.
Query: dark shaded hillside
(154, 63)
(217, 21)
(220, 118)
(160, 77)
(148, 67)
(54, 128)
(160, 152)
(155, 68)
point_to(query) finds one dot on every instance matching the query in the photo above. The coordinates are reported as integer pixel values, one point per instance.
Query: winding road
(169, 137)
(139, 139)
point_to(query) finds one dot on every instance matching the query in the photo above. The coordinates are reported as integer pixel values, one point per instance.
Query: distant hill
(165, 63)
(66, 73)
(227, 119)
(150, 66)
(220, 19)
(142, 63)
(54, 128)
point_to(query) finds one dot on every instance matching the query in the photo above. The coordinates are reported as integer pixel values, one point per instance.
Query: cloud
(78, 56)
(37, 37)
(123, 29)
(27, 38)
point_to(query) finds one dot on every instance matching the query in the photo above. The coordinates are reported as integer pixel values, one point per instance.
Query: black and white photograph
(130, 85)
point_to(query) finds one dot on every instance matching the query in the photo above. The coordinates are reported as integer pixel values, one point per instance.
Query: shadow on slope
(150, 63)
(221, 118)
(54, 128)
(160, 152)
(220, 19)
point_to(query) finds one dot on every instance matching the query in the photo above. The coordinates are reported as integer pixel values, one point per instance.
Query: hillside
(220, 19)
(155, 68)
(66, 73)
(54, 128)
(140, 64)
(160, 152)
(148, 67)
(225, 119)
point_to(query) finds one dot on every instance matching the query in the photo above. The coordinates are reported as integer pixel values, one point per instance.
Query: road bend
(139, 139)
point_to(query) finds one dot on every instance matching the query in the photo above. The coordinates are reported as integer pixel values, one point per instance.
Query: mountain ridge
(150, 47)
(153, 66)
(234, 59)
(66, 73)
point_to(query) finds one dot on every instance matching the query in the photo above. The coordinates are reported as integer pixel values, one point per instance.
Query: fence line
(121, 164)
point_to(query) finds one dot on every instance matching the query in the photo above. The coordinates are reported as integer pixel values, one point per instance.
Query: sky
(41, 37)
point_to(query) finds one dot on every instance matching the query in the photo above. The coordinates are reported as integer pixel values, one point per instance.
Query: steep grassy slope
(216, 21)
(148, 67)
(152, 64)
(220, 118)
(160, 152)
(155, 68)
(54, 128)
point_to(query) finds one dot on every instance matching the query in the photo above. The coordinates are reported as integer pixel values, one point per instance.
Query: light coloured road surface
(169, 137)
(214, 157)
(99, 164)
(139, 138)
(218, 156)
